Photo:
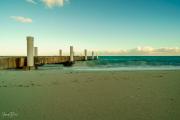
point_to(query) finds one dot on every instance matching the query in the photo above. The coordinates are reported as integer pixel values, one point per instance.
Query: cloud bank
(149, 51)
(21, 19)
(52, 3)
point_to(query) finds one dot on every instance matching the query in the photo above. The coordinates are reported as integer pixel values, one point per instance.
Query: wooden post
(30, 56)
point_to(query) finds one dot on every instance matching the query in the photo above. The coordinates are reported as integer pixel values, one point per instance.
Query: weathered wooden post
(30, 56)
(92, 55)
(60, 52)
(85, 55)
(35, 51)
(71, 54)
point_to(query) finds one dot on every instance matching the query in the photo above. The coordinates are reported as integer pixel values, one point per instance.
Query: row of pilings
(33, 60)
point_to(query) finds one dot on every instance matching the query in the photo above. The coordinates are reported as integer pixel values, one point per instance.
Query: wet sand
(71, 95)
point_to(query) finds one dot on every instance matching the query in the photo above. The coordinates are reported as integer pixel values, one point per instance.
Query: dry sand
(70, 95)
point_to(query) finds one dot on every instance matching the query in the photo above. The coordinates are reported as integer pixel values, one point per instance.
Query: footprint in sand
(32, 84)
(139, 88)
(159, 76)
(38, 85)
(23, 85)
(75, 81)
(4, 85)
(89, 80)
(55, 83)
(172, 99)
(20, 85)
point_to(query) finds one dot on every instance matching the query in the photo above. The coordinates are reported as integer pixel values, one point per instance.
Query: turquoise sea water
(110, 63)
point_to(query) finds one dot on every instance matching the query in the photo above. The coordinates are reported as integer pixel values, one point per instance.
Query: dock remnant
(33, 60)
(20, 62)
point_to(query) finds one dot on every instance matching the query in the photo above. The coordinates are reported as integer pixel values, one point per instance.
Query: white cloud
(21, 19)
(144, 51)
(52, 3)
(31, 1)
(154, 51)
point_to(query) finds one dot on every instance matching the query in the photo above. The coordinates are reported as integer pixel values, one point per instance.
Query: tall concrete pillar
(30, 47)
(60, 52)
(85, 54)
(92, 55)
(35, 51)
(96, 56)
(71, 54)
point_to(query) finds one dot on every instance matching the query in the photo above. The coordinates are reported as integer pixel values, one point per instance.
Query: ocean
(116, 63)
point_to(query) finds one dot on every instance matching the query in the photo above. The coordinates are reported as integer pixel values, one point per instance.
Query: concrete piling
(32, 60)
(85, 54)
(96, 56)
(20, 62)
(71, 54)
(92, 55)
(30, 56)
(35, 51)
(60, 52)
(35, 56)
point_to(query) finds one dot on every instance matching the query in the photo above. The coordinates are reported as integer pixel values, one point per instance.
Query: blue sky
(107, 26)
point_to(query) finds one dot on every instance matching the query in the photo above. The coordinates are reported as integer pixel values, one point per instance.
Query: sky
(109, 27)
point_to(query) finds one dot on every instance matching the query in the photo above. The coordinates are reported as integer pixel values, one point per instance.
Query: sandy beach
(75, 95)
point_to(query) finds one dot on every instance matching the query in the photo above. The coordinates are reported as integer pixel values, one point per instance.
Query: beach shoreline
(87, 95)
